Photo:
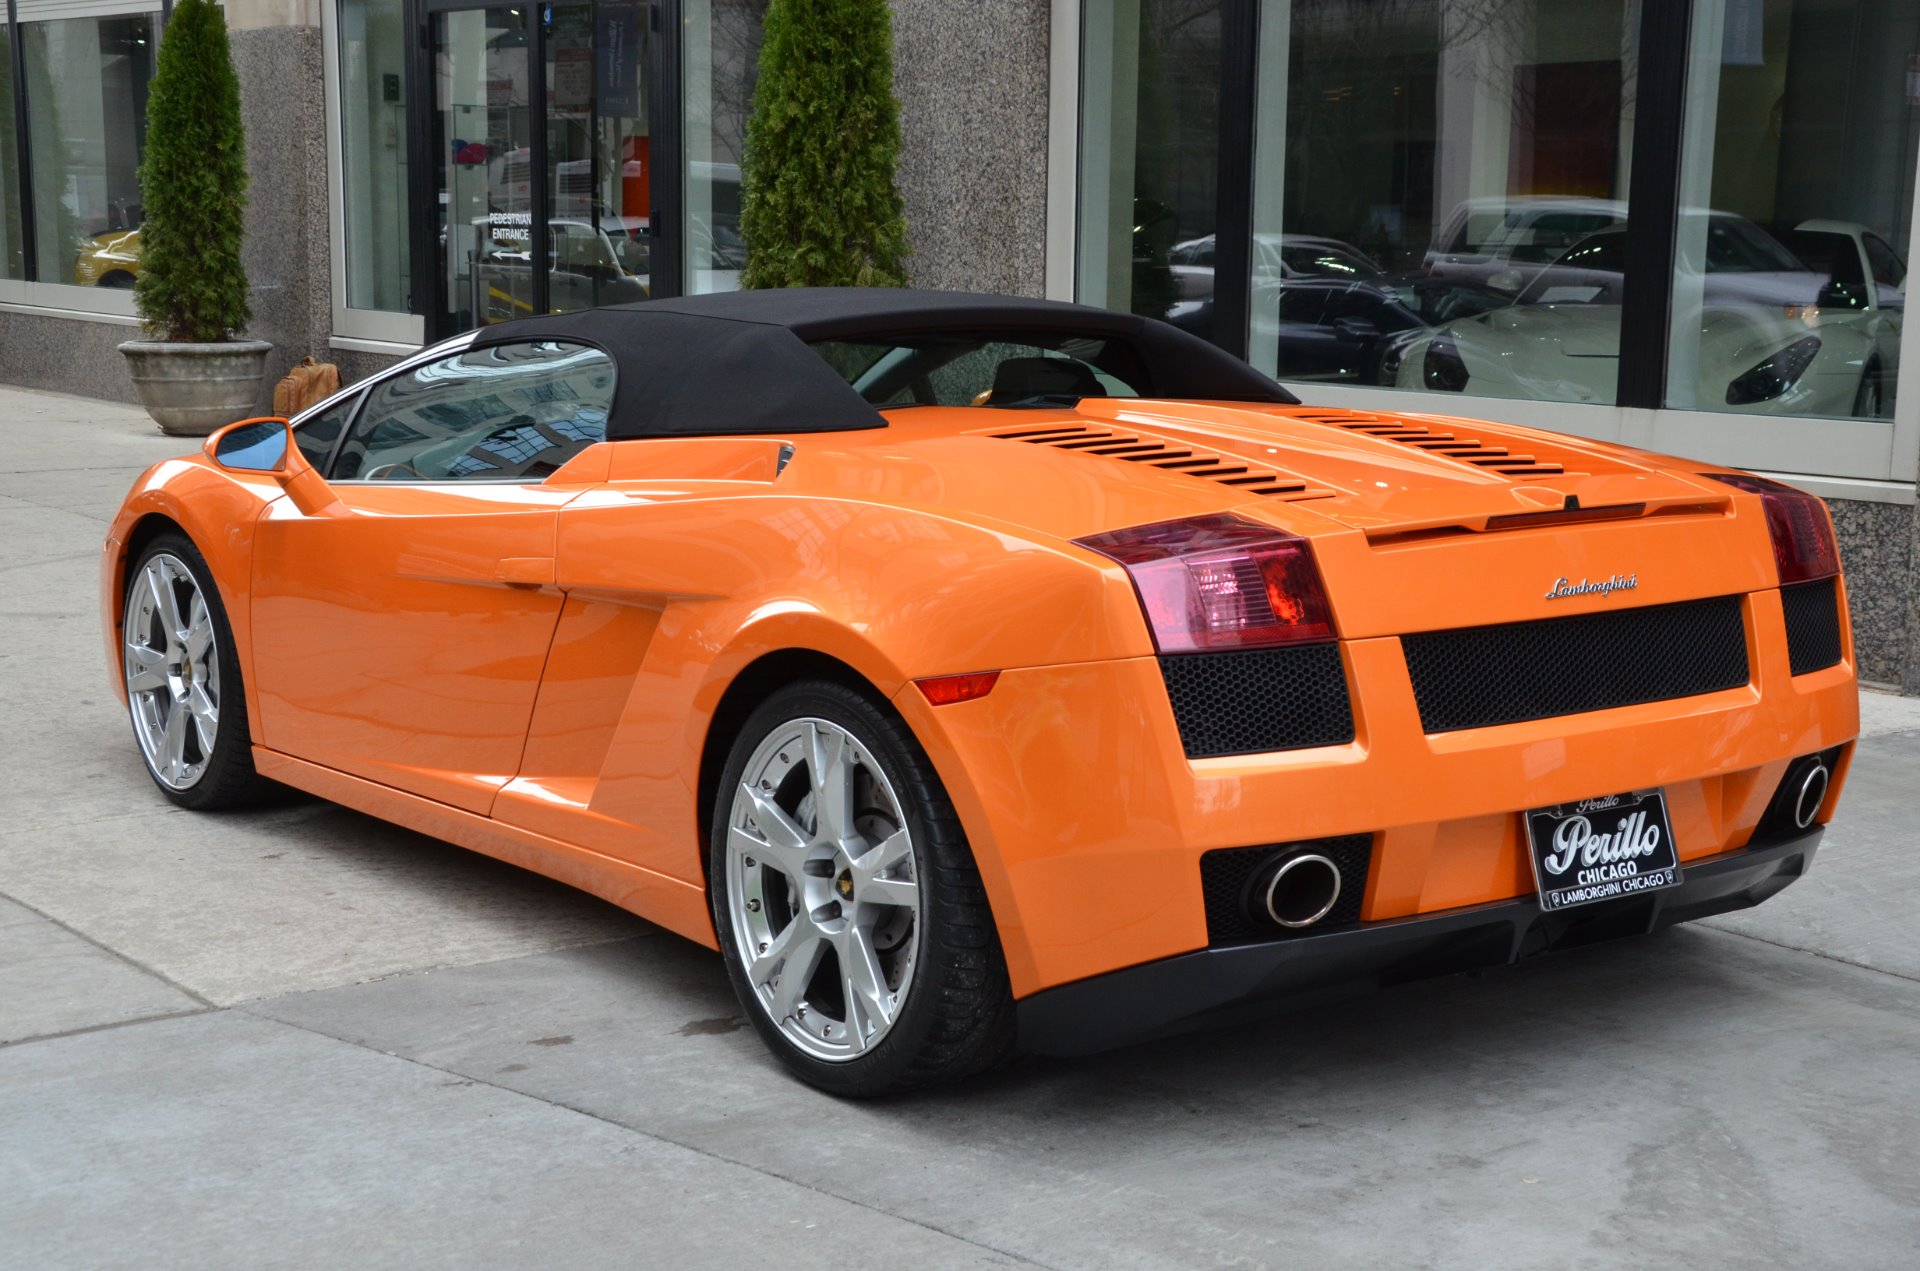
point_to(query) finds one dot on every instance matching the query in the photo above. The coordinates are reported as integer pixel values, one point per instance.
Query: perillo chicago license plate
(1602, 849)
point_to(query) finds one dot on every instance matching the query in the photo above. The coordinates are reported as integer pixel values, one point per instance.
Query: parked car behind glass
(1775, 336)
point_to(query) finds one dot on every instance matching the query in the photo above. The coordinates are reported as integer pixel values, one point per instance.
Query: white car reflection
(1775, 336)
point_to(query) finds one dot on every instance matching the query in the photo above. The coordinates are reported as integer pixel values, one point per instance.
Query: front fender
(218, 510)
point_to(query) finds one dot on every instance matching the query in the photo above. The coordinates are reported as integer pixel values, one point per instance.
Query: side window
(1887, 268)
(316, 434)
(513, 412)
(1304, 305)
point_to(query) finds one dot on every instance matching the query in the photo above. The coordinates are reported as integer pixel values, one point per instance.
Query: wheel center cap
(844, 884)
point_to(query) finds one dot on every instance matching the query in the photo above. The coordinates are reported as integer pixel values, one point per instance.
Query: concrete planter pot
(192, 389)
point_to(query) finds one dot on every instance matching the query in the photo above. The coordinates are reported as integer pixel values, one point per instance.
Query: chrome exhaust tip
(1812, 793)
(1302, 891)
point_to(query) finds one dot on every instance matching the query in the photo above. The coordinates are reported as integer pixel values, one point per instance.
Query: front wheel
(850, 912)
(183, 681)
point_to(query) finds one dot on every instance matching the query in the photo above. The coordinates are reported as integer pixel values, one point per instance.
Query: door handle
(525, 571)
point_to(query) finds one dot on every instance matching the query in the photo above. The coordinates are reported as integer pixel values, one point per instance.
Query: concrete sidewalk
(300, 1037)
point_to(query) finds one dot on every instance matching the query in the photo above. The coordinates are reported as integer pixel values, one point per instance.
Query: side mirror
(266, 445)
(1841, 295)
(1356, 330)
(253, 445)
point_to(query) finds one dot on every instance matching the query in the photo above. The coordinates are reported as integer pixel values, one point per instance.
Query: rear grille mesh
(1227, 876)
(1813, 625)
(1260, 700)
(1482, 676)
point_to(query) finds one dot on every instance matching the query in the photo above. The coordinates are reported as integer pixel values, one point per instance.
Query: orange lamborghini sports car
(977, 673)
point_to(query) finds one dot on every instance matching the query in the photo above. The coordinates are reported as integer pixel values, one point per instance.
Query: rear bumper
(1224, 985)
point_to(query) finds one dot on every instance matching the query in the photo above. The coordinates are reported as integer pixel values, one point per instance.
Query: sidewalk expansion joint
(695, 1148)
(108, 949)
(110, 1026)
(1902, 976)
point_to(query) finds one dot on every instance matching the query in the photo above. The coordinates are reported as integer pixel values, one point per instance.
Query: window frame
(458, 346)
(31, 293)
(363, 330)
(1874, 460)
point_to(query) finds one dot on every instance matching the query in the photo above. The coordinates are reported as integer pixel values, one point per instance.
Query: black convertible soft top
(739, 362)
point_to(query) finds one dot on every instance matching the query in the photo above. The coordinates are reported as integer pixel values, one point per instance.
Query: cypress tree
(193, 185)
(821, 208)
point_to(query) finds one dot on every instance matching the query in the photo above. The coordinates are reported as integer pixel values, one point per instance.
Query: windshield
(1593, 270)
(1735, 246)
(1590, 273)
(953, 369)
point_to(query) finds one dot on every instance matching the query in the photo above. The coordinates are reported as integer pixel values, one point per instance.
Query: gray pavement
(299, 1037)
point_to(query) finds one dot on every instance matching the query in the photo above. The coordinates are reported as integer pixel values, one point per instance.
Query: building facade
(1678, 224)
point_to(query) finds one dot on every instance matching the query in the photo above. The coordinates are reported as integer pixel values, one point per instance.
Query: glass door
(599, 177)
(532, 126)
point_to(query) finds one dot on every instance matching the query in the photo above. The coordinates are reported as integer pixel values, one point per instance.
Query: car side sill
(679, 906)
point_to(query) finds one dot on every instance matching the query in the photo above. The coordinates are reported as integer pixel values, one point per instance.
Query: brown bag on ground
(304, 385)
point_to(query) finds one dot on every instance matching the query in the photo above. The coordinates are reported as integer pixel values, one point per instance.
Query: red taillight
(1803, 546)
(945, 690)
(1218, 582)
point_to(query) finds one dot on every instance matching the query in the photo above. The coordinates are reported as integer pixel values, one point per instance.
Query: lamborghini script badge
(1562, 588)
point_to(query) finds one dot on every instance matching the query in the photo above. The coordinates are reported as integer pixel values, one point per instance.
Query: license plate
(1602, 849)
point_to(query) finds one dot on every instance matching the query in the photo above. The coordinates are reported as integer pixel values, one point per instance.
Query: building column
(1910, 680)
(972, 83)
(280, 59)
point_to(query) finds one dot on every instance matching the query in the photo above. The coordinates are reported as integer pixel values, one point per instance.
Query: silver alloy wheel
(173, 671)
(821, 889)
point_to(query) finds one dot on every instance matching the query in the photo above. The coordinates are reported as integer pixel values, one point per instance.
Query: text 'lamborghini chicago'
(977, 673)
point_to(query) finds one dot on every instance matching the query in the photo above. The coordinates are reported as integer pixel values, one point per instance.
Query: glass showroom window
(1149, 158)
(722, 67)
(1796, 202)
(373, 151)
(13, 249)
(86, 81)
(1440, 194)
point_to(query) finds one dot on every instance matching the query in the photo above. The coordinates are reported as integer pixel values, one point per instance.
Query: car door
(399, 633)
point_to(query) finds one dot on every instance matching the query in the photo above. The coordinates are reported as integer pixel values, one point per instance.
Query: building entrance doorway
(534, 147)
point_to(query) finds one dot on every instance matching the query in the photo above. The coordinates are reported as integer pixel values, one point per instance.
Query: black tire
(957, 1017)
(228, 779)
(1870, 399)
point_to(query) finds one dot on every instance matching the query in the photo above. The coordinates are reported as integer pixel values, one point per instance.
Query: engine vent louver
(1191, 461)
(1449, 445)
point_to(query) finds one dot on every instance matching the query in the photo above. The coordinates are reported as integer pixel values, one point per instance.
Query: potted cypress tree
(820, 206)
(193, 372)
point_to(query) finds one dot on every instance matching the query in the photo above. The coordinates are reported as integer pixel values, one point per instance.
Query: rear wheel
(183, 681)
(850, 913)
